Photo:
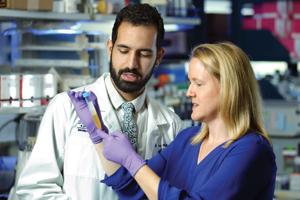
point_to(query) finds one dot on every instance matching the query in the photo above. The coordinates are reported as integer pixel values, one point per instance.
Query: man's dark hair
(140, 14)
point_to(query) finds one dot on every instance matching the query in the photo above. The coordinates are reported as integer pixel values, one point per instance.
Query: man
(64, 163)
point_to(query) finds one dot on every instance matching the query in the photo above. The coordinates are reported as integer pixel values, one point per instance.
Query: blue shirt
(244, 170)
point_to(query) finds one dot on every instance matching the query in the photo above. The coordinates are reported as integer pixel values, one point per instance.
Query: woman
(228, 157)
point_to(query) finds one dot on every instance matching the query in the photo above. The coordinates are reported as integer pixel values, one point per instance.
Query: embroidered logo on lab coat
(81, 127)
(160, 146)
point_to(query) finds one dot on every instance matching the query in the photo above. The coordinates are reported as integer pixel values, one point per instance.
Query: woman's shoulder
(254, 138)
(188, 133)
(254, 142)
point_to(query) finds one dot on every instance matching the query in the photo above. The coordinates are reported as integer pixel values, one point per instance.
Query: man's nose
(133, 60)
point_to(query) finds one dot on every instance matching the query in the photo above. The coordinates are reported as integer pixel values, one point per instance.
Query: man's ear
(160, 55)
(109, 47)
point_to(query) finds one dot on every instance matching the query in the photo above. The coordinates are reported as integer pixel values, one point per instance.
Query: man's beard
(126, 86)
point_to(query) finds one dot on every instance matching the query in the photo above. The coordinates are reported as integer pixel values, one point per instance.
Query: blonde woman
(229, 157)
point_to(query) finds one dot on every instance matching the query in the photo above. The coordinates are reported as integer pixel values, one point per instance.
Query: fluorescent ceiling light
(263, 68)
(217, 7)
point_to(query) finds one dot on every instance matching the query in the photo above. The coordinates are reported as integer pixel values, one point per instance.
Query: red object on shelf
(295, 26)
(278, 26)
(288, 43)
(251, 23)
(292, 44)
(293, 7)
(274, 7)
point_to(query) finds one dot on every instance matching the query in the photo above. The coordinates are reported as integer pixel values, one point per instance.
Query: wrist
(134, 164)
(95, 136)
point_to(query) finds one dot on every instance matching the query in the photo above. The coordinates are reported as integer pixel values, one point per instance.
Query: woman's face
(204, 91)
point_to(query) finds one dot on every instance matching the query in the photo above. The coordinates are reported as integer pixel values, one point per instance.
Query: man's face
(133, 57)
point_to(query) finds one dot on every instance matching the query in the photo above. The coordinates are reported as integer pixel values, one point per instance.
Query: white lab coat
(64, 163)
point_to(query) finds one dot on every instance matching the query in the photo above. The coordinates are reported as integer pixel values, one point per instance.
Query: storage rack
(260, 45)
(27, 17)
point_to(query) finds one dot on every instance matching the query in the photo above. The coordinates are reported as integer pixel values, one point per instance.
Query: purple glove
(85, 116)
(117, 148)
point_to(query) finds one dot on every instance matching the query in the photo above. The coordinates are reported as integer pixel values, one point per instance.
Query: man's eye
(123, 51)
(145, 54)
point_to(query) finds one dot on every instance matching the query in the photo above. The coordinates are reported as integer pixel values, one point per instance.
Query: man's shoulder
(162, 110)
(159, 107)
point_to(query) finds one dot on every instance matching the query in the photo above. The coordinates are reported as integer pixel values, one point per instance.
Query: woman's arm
(108, 166)
(148, 181)
(234, 175)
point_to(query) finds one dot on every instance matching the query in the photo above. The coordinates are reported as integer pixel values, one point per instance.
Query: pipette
(92, 109)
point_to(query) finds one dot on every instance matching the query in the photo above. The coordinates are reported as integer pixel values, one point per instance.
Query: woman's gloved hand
(85, 116)
(117, 148)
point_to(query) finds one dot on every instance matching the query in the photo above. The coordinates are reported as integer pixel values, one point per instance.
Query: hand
(85, 116)
(117, 148)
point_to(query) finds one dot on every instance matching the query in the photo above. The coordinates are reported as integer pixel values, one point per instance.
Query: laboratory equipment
(92, 109)
(282, 118)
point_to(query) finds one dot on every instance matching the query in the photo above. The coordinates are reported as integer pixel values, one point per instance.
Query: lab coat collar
(116, 98)
(154, 110)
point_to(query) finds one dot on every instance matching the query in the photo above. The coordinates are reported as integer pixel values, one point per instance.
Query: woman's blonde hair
(240, 106)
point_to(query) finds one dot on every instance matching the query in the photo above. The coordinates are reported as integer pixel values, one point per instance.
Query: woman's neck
(217, 132)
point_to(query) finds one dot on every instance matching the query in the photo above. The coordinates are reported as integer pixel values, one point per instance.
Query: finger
(92, 96)
(71, 94)
(117, 134)
(79, 96)
(102, 134)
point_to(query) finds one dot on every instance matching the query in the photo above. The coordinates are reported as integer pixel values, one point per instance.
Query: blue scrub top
(244, 170)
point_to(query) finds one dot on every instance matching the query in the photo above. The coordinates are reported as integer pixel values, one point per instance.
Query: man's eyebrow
(122, 46)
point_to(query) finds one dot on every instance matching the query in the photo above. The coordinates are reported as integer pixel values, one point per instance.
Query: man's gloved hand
(85, 116)
(117, 148)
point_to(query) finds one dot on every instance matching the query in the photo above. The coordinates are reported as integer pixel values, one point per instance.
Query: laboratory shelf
(31, 62)
(167, 20)
(90, 46)
(183, 20)
(22, 110)
(287, 194)
(9, 14)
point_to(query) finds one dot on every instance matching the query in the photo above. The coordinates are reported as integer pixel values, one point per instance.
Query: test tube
(92, 109)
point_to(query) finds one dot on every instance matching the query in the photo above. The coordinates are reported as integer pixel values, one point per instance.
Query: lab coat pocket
(80, 156)
(152, 145)
(159, 139)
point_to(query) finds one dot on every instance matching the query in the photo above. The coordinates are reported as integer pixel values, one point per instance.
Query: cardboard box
(3, 3)
(43, 5)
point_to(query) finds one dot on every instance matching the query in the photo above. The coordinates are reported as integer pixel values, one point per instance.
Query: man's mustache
(127, 70)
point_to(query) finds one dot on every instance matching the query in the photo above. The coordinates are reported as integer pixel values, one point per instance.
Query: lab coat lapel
(109, 117)
(155, 114)
(157, 130)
